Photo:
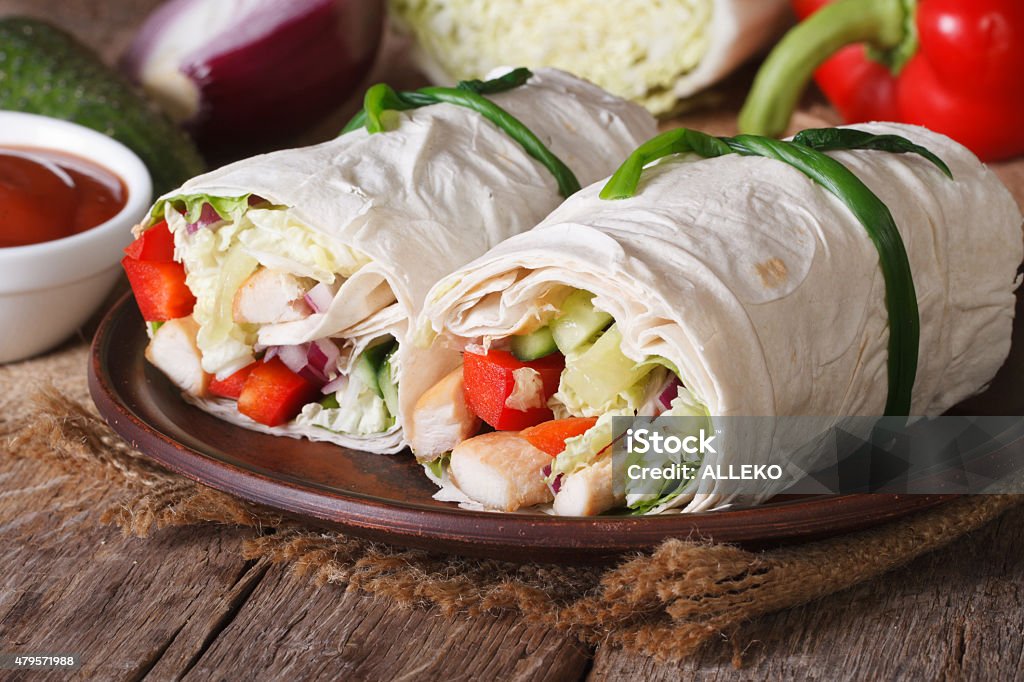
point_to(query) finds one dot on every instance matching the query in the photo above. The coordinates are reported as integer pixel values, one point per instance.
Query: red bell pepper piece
(157, 281)
(551, 436)
(489, 381)
(273, 394)
(231, 387)
(957, 72)
(159, 288)
(155, 244)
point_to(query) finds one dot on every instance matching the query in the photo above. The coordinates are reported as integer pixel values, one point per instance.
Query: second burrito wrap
(731, 286)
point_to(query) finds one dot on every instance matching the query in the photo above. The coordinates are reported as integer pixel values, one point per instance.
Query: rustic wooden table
(183, 604)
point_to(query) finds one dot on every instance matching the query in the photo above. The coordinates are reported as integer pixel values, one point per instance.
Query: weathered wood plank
(290, 629)
(124, 604)
(954, 614)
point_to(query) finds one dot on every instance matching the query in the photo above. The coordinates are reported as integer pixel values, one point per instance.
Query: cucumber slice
(532, 346)
(368, 364)
(601, 371)
(578, 323)
(388, 386)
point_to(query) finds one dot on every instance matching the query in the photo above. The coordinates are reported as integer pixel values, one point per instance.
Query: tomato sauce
(46, 195)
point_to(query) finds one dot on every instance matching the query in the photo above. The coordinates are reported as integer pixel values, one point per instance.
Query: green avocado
(44, 70)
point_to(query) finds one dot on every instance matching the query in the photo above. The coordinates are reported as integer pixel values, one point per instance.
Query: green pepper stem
(785, 73)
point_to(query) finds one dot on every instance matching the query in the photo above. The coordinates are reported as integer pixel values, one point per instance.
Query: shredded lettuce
(437, 466)
(599, 379)
(228, 208)
(641, 498)
(360, 412)
(583, 449)
(218, 260)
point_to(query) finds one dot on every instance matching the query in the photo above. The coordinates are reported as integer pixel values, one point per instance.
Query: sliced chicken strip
(587, 492)
(501, 471)
(271, 296)
(174, 352)
(441, 419)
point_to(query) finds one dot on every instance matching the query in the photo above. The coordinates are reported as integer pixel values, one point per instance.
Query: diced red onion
(555, 485)
(319, 297)
(323, 355)
(670, 393)
(296, 358)
(316, 362)
(271, 353)
(208, 217)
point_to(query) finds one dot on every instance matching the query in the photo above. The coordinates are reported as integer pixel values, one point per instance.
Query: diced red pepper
(273, 394)
(551, 436)
(159, 288)
(155, 244)
(231, 387)
(489, 382)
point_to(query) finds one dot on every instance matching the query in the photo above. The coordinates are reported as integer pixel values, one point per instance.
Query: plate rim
(480, 533)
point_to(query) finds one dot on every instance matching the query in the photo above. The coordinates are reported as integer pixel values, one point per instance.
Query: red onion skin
(293, 71)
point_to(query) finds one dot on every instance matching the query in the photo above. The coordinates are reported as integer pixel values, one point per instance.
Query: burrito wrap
(439, 188)
(762, 287)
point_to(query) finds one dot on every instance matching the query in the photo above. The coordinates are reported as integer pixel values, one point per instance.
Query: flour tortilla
(763, 288)
(437, 190)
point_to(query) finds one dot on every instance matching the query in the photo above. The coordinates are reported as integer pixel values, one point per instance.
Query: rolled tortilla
(381, 218)
(762, 288)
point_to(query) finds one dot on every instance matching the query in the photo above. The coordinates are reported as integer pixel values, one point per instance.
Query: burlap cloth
(666, 603)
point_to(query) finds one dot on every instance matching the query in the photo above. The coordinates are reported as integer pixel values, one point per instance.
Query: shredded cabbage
(635, 49)
(360, 412)
(218, 260)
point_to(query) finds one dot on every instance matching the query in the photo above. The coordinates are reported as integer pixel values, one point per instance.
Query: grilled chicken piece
(501, 471)
(174, 352)
(441, 419)
(586, 492)
(270, 296)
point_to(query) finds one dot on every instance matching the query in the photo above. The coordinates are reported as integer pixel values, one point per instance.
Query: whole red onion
(247, 74)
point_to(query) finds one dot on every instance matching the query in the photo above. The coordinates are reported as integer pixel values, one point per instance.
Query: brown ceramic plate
(388, 498)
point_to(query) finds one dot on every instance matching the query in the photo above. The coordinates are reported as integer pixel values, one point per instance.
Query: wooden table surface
(184, 604)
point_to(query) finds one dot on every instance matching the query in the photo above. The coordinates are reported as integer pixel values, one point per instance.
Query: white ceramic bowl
(48, 290)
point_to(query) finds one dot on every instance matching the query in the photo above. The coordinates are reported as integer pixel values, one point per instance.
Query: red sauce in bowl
(47, 195)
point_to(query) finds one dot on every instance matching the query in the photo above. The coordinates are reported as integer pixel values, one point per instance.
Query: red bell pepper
(231, 387)
(159, 288)
(273, 394)
(489, 381)
(953, 66)
(551, 436)
(155, 244)
(158, 282)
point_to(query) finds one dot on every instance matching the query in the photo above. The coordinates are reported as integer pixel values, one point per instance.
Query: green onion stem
(470, 94)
